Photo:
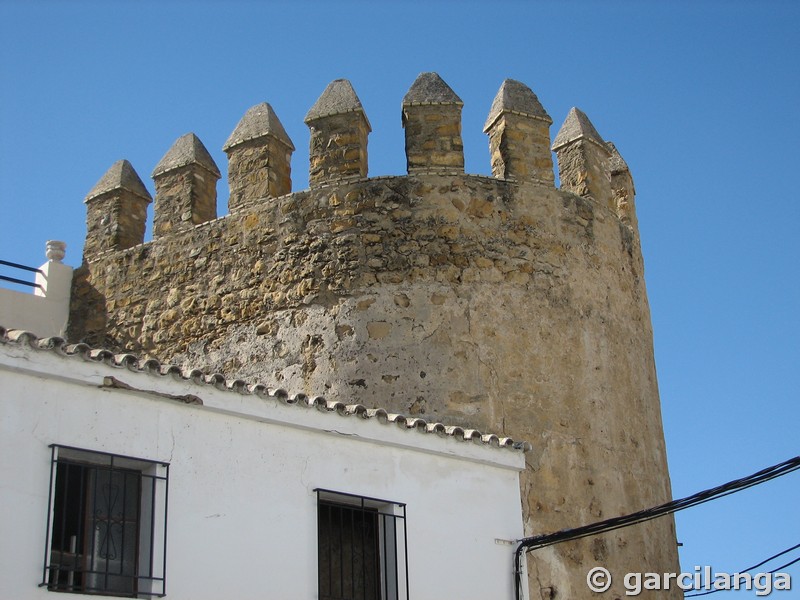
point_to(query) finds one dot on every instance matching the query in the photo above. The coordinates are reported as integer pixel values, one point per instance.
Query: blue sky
(700, 97)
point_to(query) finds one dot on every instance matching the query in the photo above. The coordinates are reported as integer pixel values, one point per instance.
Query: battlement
(259, 159)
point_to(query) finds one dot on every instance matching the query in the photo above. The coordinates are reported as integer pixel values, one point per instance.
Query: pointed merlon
(431, 114)
(623, 189)
(339, 135)
(429, 88)
(616, 164)
(121, 176)
(259, 121)
(577, 126)
(186, 186)
(187, 150)
(583, 159)
(517, 98)
(337, 99)
(259, 158)
(116, 211)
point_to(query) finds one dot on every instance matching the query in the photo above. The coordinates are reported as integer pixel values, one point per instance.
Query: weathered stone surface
(520, 149)
(120, 176)
(519, 135)
(576, 126)
(259, 158)
(432, 123)
(429, 88)
(187, 150)
(622, 188)
(259, 121)
(116, 210)
(516, 97)
(186, 186)
(583, 159)
(337, 99)
(339, 129)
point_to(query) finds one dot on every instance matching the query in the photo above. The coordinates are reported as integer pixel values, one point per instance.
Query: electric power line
(748, 569)
(565, 535)
(774, 556)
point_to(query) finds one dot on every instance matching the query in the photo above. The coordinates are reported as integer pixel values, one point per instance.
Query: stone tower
(498, 303)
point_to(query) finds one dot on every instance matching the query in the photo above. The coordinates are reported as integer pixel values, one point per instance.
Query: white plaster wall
(242, 511)
(44, 312)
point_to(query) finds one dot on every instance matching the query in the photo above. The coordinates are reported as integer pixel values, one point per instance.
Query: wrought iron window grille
(362, 547)
(106, 524)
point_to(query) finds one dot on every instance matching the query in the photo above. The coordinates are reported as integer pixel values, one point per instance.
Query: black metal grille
(362, 552)
(14, 265)
(106, 524)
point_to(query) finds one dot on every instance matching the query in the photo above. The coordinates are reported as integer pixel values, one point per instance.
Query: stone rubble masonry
(583, 159)
(432, 123)
(259, 158)
(495, 303)
(116, 210)
(519, 135)
(339, 129)
(186, 186)
(622, 187)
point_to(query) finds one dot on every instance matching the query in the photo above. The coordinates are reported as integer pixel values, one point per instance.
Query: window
(106, 531)
(362, 552)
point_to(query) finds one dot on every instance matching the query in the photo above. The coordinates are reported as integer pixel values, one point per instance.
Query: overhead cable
(748, 569)
(565, 535)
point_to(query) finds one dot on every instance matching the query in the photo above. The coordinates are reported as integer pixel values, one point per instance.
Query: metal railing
(22, 268)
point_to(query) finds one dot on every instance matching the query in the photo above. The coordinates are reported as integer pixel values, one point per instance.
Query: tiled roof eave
(153, 367)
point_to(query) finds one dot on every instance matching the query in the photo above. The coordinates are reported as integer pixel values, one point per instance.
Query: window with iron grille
(362, 552)
(107, 518)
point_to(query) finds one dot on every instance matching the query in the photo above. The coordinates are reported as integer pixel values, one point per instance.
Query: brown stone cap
(337, 99)
(429, 88)
(616, 163)
(517, 98)
(259, 121)
(121, 176)
(577, 126)
(153, 367)
(187, 150)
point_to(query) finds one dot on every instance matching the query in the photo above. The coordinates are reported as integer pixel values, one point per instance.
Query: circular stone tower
(498, 303)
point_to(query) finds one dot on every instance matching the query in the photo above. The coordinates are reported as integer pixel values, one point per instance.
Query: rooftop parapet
(116, 210)
(583, 159)
(44, 312)
(186, 186)
(259, 158)
(432, 123)
(519, 135)
(339, 130)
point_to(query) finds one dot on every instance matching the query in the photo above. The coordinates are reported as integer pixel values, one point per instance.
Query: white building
(124, 477)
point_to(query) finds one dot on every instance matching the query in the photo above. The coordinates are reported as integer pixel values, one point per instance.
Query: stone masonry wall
(255, 174)
(185, 197)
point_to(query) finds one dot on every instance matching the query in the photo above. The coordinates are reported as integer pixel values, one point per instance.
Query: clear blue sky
(700, 97)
